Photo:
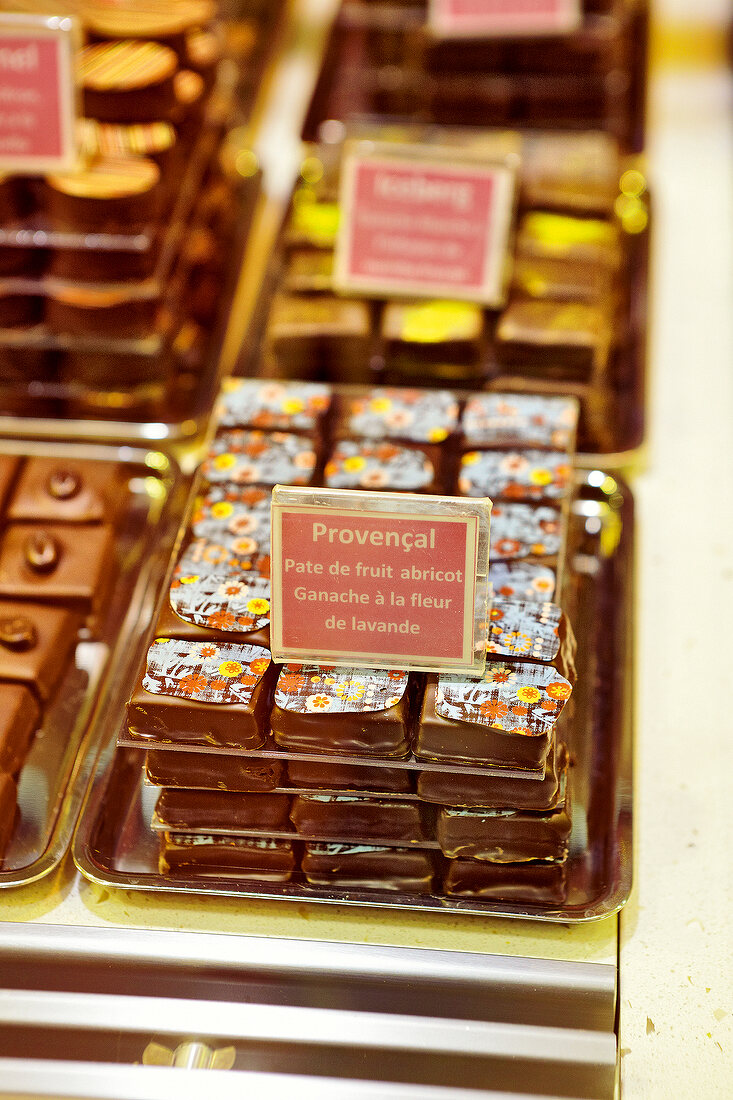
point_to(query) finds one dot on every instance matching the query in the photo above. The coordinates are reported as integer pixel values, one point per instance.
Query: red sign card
(389, 589)
(420, 226)
(37, 93)
(487, 18)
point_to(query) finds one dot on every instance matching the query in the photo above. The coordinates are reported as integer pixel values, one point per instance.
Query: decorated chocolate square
(207, 693)
(52, 490)
(523, 630)
(344, 710)
(60, 564)
(418, 416)
(521, 580)
(525, 531)
(260, 403)
(506, 718)
(252, 457)
(228, 512)
(36, 642)
(229, 555)
(520, 420)
(222, 602)
(515, 475)
(379, 465)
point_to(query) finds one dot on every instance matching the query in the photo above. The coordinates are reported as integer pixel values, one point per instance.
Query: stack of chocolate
(107, 269)
(383, 58)
(57, 569)
(365, 778)
(570, 320)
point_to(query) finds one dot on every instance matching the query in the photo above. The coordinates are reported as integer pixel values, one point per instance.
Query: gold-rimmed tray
(115, 844)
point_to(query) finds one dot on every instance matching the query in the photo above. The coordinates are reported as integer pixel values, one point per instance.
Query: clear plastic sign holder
(387, 580)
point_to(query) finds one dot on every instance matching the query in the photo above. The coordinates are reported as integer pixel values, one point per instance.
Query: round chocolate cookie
(113, 195)
(128, 80)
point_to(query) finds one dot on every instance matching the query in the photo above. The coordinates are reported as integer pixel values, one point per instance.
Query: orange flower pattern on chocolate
(220, 601)
(525, 475)
(521, 530)
(520, 628)
(422, 416)
(518, 580)
(258, 458)
(205, 673)
(305, 688)
(227, 558)
(519, 698)
(290, 406)
(355, 465)
(526, 420)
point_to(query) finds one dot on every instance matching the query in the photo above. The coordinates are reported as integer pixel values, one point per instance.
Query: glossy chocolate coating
(236, 856)
(8, 800)
(212, 771)
(338, 816)
(170, 625)
(66, 491)
(539, 883)
(374, 733)
(307, 773)
(368, 867)
(19, 718)
(64, 566)
(197, 811)
(506, 835)
(567, 340)
(445, 739)
(35, 643)
(461, 789)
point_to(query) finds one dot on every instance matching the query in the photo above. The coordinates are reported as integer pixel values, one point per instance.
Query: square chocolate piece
(368, 867)
(203, 693)
(199, 810)
(35, 644)
(241, 857)
(52, 490)
(353, 816)
(342, 710)
(211, 771)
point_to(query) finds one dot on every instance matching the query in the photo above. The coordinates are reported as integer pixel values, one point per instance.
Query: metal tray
(58, 769)
(116, 846)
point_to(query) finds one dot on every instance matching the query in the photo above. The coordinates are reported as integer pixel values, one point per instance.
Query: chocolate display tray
(115, 845)
(59, 766)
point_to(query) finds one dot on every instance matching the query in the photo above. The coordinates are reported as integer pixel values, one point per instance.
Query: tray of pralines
(384, 58)
(86, 532)
(574, 316)
(136, 831)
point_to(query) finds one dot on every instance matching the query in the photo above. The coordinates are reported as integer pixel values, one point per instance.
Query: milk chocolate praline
(113, 195)
(368, 867)
(212, 771)
(199, 810)
(128, 81)
(247, 858)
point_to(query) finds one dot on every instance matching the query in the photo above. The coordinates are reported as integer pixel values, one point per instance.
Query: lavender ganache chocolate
(251, 858)
(209, 679)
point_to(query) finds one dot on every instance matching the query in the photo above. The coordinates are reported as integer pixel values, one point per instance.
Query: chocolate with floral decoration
(203, 693)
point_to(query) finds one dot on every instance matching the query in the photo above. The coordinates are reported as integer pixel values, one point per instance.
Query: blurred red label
(503, 17)
(421, 227)
(373, 586)
(37, 97)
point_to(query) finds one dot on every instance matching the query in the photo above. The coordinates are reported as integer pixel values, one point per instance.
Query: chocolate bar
(368, 867)
(457, 788)
(253, 858)
(342, 710)
(342, 816)
(531, 883)
(199, 810)
(506, 835)
(211, 771)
